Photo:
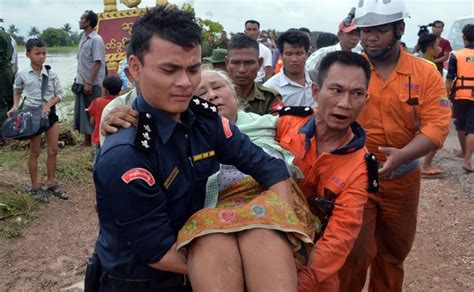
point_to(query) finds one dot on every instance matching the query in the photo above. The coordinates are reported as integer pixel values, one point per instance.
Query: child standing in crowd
(28, 82)
(112, 86)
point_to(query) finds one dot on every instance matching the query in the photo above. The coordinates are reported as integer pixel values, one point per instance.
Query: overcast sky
(321, 15)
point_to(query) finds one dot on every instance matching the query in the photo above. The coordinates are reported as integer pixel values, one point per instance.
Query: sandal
(40, 195)
(57, 191)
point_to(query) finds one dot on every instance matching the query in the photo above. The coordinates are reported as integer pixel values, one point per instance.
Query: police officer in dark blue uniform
(151, 178)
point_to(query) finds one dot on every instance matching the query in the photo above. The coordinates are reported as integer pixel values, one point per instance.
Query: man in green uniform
(242, 64)
(6, 77)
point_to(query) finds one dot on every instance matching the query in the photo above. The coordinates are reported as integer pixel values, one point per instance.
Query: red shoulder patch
(138, 173)
(277, 106)
(226, 127)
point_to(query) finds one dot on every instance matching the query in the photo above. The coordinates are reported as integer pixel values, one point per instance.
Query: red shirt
(95, 110)
(445, 47)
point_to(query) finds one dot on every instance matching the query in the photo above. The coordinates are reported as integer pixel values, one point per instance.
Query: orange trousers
(386, 237)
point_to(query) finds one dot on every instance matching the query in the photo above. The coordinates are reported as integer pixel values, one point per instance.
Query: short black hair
(242, 41)
(113, 84)
(253, 22)
(304, 29)
(438, 22)
(92, 18)
(167, 22)
(426, 41)
(468, 32)
(344, 58)
(326, 39)
(34, 43)
(293, 37)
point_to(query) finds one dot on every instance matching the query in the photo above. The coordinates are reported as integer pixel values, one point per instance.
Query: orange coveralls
(389, 224)
(343, 172)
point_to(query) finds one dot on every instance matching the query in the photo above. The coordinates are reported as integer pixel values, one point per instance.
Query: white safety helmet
(378, 12)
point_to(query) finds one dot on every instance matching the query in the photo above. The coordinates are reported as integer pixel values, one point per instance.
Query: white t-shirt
(266, 54)
(315, 59)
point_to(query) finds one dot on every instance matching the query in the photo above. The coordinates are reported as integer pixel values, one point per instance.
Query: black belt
(143, 285)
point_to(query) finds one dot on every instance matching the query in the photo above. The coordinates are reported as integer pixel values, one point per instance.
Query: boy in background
(112, 86)
(430, 49)
(28, 82)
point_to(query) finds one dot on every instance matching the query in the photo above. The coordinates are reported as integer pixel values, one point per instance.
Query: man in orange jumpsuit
(329, 149)
(406, 116)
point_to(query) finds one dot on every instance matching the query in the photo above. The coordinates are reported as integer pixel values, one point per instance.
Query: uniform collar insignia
(145, 136)
(200, 105)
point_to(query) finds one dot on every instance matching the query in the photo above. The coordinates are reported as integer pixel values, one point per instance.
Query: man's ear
(315, 91)
(260, 62)
(401, 28)
(134, 68)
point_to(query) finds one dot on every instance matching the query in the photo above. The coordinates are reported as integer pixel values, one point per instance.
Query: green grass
(17, 211)
(12, 159)
(17, 207)
(58, 49)
(75, 165)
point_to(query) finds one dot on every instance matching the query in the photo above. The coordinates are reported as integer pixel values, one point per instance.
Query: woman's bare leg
(214, 264)
(268, 261)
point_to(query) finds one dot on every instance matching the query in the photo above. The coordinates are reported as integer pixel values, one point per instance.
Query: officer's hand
(394, 159)
(123, 116)
(306, 280)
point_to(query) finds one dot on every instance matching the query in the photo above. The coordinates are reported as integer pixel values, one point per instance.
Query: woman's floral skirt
(245, 205)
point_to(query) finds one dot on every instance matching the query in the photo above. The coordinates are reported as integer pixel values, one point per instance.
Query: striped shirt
(293, 94)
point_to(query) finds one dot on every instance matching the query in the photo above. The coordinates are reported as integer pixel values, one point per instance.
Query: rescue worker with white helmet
(406, 116)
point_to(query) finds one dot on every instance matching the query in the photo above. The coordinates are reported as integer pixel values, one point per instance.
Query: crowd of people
(281, 168)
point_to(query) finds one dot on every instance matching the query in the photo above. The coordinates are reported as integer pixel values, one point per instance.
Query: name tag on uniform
(204, 155)
(174, 173)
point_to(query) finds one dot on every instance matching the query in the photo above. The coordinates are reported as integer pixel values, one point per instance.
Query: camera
(424, 29)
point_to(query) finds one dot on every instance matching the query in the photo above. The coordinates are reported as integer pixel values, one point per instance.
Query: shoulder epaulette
(200, 105)
(372, 172)
(296, 111)
(145, 137)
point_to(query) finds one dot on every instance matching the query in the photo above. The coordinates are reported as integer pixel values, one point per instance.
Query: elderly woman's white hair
(224, 76)
(227, 80)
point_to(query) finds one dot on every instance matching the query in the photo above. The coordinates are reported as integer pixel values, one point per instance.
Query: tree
(75, 38)
(208, 26)
(13, 30)
(55, 37)
(19, 40)
(34, 32)
(67, 28)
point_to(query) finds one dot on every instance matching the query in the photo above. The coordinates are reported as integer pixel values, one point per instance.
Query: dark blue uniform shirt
(151, 178)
